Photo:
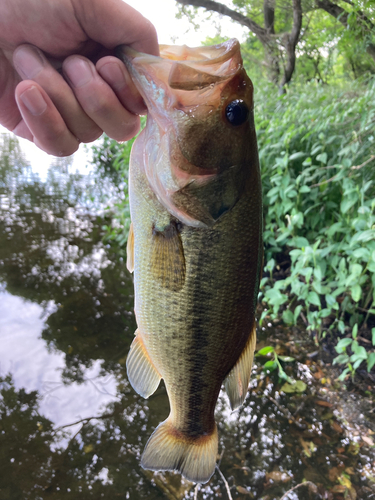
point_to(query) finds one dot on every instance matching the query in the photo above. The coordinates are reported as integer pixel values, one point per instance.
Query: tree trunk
(291, 41)
(269, 16)
(271, 50)
(265, 35)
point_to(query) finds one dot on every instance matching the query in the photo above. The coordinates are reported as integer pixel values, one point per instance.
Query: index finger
(113, 22)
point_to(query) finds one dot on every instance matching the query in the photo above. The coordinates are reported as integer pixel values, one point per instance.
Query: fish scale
(196, 243)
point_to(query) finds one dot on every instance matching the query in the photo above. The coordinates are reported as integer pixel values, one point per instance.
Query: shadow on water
(70, 423)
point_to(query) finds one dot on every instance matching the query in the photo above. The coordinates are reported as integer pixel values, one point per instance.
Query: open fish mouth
(182, 67)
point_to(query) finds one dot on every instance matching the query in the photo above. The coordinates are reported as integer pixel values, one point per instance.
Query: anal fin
(169, 449)
(142, 373)
(130, 250)
(237, 381)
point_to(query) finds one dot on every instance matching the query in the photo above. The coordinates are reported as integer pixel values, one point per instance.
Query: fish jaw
(187, 91)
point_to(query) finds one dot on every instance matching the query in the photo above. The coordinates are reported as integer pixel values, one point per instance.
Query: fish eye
(236, 112)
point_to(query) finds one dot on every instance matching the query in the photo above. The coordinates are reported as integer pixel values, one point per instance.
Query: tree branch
(254, 27)
(306, 483)
(225, 482)
(334, 10)
(342, 16)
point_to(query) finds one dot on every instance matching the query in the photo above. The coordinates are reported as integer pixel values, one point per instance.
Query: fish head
(200, 106)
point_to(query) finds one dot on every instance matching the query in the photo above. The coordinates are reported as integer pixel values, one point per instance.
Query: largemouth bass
(195, 245)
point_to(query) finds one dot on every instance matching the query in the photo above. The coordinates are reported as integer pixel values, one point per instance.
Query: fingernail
(78, 71)
(28, 62)
(113, 75)
(34, 101)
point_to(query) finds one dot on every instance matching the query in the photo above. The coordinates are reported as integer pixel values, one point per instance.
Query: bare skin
(59, 81)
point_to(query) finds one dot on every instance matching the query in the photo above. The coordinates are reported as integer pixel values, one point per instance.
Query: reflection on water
(70, 423)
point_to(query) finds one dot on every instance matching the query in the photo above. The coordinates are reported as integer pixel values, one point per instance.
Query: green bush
(317, 153)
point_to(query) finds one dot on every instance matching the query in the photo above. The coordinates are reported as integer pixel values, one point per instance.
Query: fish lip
(180, 67)
(126, 54)
(227, 49)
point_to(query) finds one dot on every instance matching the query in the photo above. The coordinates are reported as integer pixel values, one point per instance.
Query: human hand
(77, 38)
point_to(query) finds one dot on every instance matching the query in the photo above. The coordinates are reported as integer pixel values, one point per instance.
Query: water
(70, 424)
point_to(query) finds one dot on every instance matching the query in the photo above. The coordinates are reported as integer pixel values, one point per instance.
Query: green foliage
(330, 48)
(359, 354)
(317, 156)
(111, 161)
(274, 364)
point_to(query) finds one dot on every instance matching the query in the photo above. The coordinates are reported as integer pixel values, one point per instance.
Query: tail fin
(169, 449)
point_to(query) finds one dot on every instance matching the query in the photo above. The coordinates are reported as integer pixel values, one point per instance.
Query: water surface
(72, 427)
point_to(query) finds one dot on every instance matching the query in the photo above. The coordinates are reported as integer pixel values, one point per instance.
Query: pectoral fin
(130, 250)
(142, 373)
(167, 258)
(237, 381)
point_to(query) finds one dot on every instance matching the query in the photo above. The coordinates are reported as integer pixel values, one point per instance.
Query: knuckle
(57, 141)
(89, 135)
(126, 132)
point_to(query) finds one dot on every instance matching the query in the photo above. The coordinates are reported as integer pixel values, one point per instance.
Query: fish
(195, 245)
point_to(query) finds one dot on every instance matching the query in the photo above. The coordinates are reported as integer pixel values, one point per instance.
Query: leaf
(339, 488)
(356, 269)
(296, 156)
(364, 236)
(355, 331)
(298, 386)
(362, 253)
(360, 353)
(370, 361)
(243, 490)
(300, 242)
(342, 344)
(344, 374)
(286, 359)
(297, 312)
(368, 440)
(270, 365)
(336, 427)
(275, 297)
(331, 301)
(321, 402)
(333, 474)
(288, 317)
(324, 313)
(322, 157)
(308, 447)
(313, 298)
(347, 204)
(278, 476)
(373, 336)
(265, 350)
